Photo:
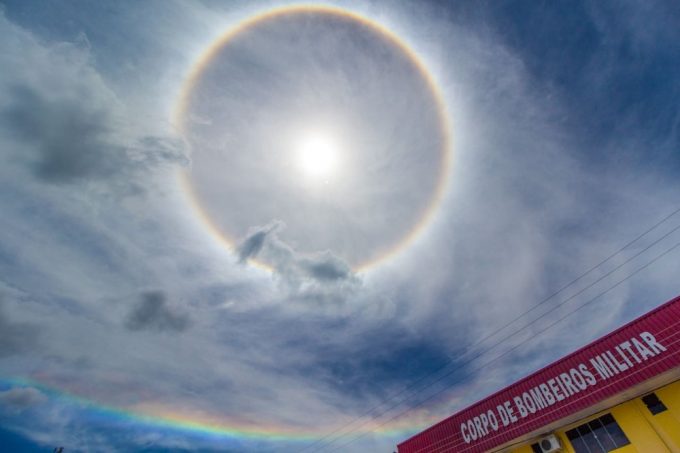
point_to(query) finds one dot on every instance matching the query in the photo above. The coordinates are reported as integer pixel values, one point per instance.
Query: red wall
(629, 356)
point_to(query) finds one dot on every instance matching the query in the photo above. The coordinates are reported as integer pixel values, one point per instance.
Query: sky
(255, 226)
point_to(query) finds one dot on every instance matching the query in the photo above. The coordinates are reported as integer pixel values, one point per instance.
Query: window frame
(581, 436)
(653, 404)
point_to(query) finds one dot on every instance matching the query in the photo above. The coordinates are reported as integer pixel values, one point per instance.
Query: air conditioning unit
(550, 444)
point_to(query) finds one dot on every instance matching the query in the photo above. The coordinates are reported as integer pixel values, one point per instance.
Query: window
(597, 436)
(654, 404)
(536, 448)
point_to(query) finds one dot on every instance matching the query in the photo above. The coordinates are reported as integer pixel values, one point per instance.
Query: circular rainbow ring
(223, 427)
(162, 417)
(216, 427)
(212, 50)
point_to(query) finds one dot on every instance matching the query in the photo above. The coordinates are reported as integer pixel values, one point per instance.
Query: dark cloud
(74, 140)
(62, 120)
(69, 136)
(361, 370)
(251, 246)
(21, 398)
(153, 151)
(153, 313)
(319, 275)
(326, 267)
(518, 216)
(356, 359)
(15, 338)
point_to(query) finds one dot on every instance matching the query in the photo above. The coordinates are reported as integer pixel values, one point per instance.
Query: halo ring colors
(171, 418)
(424, 216)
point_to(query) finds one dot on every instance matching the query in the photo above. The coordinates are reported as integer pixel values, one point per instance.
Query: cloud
(15, 338)
(376, 190)
(68, 136)
(527, 210)
(63, 121)
(326, 267)
(252, 245)
(21, 398)
(153, 313)
(72, 140)
(319, 276)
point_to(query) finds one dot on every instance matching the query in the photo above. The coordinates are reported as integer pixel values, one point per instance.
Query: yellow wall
(667, 424)
(638, 430)
(658, 433)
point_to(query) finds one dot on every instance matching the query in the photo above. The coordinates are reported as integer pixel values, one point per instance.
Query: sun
(307, 131)
(317, 156)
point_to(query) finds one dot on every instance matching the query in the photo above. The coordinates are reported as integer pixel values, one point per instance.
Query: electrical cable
(613, 381)
(494, 333)
(505, 353)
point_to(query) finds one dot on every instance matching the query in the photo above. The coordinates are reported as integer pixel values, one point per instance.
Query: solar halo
(275, 92)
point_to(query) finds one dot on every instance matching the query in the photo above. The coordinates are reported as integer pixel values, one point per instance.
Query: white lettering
(569, 387)
(485, 423)
(612, 367)
(463, 431)
(642, 349)
(508, 407)
(606, 365)
(652, 343)
(555, 389)
(471, 428)
(478, 425)
(578, 379)
(627, 346)
(523, 412)
(601, 368)
(529, 402)
(628, 362)
(492, 420)
(549, 397)
(618, 364)
(505, 419)
(585, 372)
(538, 398)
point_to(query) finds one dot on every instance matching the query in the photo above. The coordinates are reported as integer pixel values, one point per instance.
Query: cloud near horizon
(21, 398)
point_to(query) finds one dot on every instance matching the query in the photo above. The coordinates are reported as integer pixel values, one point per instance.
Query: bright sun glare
(317, 156)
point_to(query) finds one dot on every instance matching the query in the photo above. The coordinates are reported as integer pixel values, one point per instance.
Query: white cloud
(525, 213)
(21, 398)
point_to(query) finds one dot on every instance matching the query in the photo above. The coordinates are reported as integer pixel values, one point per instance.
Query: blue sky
(121, 310)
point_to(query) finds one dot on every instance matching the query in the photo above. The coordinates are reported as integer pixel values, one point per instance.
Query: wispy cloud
(320, 276)
(93, 218)
(15, 337)
(153, 313)
(20, 398)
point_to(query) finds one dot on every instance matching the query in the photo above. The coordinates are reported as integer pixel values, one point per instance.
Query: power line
(494, 333)
(614, 381)
(515, 347)
(507, 337)
(491, 335)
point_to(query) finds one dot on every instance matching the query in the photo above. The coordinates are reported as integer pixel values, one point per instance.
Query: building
(621, 392)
